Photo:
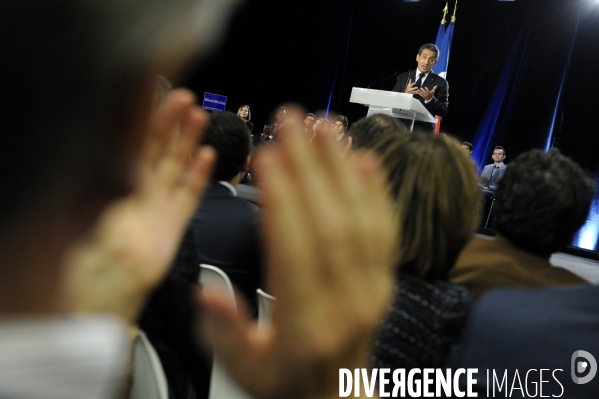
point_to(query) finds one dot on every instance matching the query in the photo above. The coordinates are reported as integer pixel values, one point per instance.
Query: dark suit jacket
(489, 177)
(524, 330)
(226, 235)
(440, 102)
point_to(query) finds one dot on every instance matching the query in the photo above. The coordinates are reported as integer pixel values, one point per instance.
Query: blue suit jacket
(489, 177)
(532, 329)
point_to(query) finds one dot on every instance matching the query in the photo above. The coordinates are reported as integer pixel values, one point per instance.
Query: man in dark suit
(270, 131)
(426, 86)
(225, 227)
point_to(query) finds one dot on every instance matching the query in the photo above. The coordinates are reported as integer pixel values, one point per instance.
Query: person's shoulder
(218, 199)
(243, 212)
(518, 301)
(244, 204)
(440, 293)
(249, 193)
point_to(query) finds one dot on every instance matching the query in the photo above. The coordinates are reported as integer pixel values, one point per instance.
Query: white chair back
(222, 385)
(148, 378)
(266, 304)
(211, 277)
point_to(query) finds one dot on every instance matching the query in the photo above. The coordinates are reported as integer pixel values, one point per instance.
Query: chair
(148, 378)
(266, 304)
(490, 213)
(211, 277)
(221, 385)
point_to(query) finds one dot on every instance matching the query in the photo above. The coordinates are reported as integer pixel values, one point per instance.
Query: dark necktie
(419, 80)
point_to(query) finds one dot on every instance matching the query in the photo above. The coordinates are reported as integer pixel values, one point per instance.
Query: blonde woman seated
(433, 183)
(245, 114)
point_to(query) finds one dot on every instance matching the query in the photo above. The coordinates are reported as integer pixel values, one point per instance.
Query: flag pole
(444, 14)
(455, 7)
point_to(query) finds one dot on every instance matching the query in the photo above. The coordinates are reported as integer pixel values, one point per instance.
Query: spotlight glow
(586, 237)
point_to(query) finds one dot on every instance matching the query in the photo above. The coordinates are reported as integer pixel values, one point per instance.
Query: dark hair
(75, 84)
(433, 184)
(430, 47)
(249, 112)
(341, 119)
(366, 130)
(231, 139)
(500, 148)
(542, 200)
(282, 109)
(469, 145)
(310, 114)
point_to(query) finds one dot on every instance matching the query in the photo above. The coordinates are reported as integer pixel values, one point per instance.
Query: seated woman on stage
(245, 114)
(433, 183)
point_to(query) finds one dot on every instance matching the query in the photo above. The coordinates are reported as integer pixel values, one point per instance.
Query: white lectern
(398, 105)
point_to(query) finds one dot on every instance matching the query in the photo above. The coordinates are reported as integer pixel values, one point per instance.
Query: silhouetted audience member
(542, 200)
(225, 227)
(270, 131)
(340, 125)
(365, 131)
(246, 115)
(433, 184)
(308, 123)
(468, 147)
(321, 127)
(91, 225)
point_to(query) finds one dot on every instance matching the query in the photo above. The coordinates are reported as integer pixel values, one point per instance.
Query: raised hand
(135, 239)
(331, 238)
(427, 94)
(411, 87)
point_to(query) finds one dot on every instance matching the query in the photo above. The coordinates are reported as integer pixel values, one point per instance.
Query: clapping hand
(130, 250)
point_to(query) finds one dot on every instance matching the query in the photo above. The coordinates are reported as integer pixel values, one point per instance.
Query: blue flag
(440, 34)
(444, 49)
